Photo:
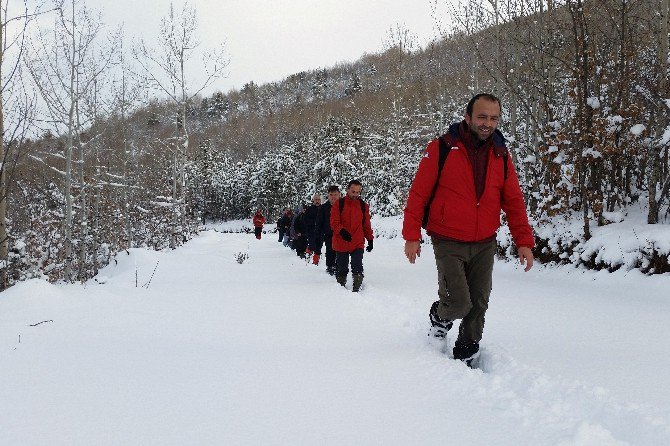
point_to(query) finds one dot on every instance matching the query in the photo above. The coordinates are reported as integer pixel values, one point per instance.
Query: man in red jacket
(476, 182)
(350, 222)
(259, 221)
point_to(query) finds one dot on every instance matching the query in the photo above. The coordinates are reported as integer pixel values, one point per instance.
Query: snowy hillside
(191, 347)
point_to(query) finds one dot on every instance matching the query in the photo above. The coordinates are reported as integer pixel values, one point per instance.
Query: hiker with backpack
(350, 223)
(322, 232)
(282, 224)
(463, 181)
(258, 221)
(300, 231)
(310, 221)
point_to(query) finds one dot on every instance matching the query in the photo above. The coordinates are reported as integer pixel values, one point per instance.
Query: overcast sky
(268, 40)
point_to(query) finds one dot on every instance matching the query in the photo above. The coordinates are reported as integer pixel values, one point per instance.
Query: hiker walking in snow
(310, 221)
(463, 181)
(288, 224)
(283, 224)
(350, 223)
(323, 233)
(300, 230)
(258, 221)
(291, 233)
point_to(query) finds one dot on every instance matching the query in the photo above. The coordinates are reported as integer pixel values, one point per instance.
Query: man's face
(484, 119)
(354, 191)
(334, 196)
(316, 200)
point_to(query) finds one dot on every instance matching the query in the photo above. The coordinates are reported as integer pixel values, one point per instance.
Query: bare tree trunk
(4, 238)
(656, 173)
(84, 218)
(580, 34)
(661, 121)
(68, 167)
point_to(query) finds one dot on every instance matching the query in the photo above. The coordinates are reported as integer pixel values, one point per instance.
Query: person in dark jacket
(323, 233)
(310, 220)
(287, 221)
(350, 222)
(300, 229)
(291, 231)
(281, 224)
(476, 182)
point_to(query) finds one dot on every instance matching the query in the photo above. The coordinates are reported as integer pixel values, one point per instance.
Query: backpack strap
(362, 203)
(444, 152)
(505, 159)
(500, 149)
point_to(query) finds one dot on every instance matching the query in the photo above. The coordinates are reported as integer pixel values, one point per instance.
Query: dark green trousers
(465, 277)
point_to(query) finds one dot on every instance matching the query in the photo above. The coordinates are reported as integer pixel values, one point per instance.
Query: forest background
(108, 146)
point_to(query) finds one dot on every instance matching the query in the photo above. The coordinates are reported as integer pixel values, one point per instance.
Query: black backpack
(444, 152)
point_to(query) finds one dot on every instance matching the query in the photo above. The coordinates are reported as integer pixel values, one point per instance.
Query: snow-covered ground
(207, 351)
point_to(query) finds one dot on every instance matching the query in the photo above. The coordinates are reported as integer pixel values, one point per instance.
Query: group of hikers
(342, 224)
(463, 182)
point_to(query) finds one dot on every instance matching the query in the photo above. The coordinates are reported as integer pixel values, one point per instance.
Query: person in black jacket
(323, 233)
(300, 229)
(282, 224)
(310, 221)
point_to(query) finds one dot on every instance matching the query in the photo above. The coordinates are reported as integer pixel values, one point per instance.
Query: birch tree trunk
(4, 239)
(168, 72)
(68, 155)
(661, 115)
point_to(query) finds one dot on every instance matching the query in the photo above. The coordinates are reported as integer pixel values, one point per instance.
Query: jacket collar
(460, 131)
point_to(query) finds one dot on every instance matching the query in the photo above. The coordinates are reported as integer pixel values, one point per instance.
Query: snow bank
(189, 347)
(627, 241)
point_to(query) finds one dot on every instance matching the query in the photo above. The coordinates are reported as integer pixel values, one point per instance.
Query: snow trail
(274, 351)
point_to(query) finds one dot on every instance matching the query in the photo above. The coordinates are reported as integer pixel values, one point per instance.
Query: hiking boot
(358, 280)
(439, 326)
(330, 270)
(466, 352)
(342, 280)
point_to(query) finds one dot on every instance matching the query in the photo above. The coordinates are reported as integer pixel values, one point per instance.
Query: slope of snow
(273, 351)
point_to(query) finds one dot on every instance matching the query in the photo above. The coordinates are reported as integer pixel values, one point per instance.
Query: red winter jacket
(455, 212)
(259, 220)
(353, 220)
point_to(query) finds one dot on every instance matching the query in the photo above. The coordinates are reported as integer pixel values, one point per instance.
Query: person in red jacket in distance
(476, 182)
(259, 221)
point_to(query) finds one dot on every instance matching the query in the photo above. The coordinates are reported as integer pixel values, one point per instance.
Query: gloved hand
(345, 235)
(369, 248)
(315, 259)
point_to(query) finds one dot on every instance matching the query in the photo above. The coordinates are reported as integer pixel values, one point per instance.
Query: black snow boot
(358, 280)
(466, 352)
(330, 270)
(439, 327)
(342, 280)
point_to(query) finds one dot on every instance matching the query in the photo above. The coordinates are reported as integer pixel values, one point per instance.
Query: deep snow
(273, 351)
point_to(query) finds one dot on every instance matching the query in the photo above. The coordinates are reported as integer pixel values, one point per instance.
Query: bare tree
(663, 103)
(65, 69)
(13, 28)
(167, 71)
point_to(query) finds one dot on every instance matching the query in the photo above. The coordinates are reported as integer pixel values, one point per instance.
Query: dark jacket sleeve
(318, 225)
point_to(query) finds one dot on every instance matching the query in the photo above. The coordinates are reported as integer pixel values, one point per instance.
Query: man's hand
(525, 255)
(370, 246)
(413, 250)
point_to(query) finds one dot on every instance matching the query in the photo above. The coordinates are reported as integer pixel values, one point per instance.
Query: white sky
(269, 40)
